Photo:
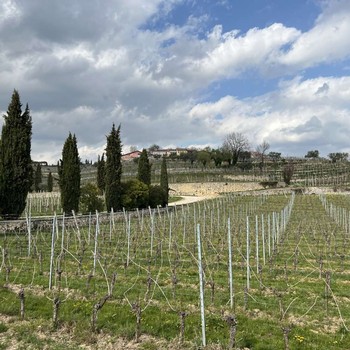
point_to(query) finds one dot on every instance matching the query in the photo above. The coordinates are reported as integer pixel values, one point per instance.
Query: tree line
(236, 150)
(17, 175)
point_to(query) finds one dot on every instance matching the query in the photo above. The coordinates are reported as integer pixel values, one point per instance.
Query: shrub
(157, 196)
(134, 194)
(89, 199)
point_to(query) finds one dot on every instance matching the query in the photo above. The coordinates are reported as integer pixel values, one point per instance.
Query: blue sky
(179, 72)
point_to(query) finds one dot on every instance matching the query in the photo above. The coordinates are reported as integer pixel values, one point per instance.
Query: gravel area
(211, 188)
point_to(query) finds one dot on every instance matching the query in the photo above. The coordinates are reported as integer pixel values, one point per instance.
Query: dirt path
(195, 192)
(191, 199)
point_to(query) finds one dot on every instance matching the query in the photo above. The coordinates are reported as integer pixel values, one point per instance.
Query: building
(131, 155)
(167, 152)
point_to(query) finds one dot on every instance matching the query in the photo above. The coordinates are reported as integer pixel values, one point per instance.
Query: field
(274, 269)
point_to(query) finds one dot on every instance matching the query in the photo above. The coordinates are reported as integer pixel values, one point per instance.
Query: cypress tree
(144, 168)
(101, 183)
(49, 182)
(113, 170)
(37, 178)
(164, 184)
(69, 175)
(16, 172)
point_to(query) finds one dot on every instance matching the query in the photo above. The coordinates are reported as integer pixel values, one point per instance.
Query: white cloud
(294, 118)
(89, 66)
(234, 54)
(327, 41)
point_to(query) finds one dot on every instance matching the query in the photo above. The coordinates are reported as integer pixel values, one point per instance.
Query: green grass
(289, 292)
(174, 199)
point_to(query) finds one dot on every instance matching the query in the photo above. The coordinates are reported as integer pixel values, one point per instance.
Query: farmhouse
(167, 152)
(131, 155)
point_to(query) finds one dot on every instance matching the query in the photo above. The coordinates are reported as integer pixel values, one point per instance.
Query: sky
(179, 73)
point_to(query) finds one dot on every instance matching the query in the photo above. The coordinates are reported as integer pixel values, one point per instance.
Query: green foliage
(338, 157)
(154, 147)
(15, 161)
(165, 283)
(69, 175)
(37, 178)
(217, 156)
(274, 156)
(144, 168)
(89, 199)
(101, 165)
(312, 154)
(203, 157)
(245, 162)
(113, 170)
(190, 156)
(134, 194)
(3, 327)
(156, 196)
(49, 182)
(164, 183)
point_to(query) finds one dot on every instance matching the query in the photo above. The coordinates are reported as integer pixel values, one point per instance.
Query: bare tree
(261, 150)
(235, 143)
(288, 172)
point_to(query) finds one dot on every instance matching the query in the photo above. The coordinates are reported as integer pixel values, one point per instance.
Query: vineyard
(238, 271)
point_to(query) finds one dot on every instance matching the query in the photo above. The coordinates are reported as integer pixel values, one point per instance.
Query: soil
(194, 192)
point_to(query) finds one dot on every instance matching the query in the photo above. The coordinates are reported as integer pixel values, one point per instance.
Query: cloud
(292, 119)
(327, 41)
(88, 66)
(323, 89)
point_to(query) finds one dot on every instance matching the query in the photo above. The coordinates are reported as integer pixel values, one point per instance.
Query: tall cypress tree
(144, 168)
(101, 182)
(69, 175)
(164, 183)
(37, 178)
(49, 182)
(16, 173)
(113, 170)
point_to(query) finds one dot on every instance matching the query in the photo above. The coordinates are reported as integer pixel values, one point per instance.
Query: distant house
(167, 152)
(41, 162)
(131, 155)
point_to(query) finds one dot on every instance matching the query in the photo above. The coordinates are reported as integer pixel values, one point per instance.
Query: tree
(312, 154)
(16, 172)
(69, 175)
(191, 155)
(164, 183)
(113, 166)
(89, 199)
(153, 148)
(156, 196)
(288, 172)
(144, 168)
(235, 143)
(49, 182)
(101, 173)
(217, 156)
(274, 156)
(203, 157)
(132, 149)
(135, 194)
(338, 157)
(245, 160)
(261, 150)
(37, 178)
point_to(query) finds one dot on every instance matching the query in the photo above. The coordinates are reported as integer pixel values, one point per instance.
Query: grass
(175, 199)
(157, 269)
